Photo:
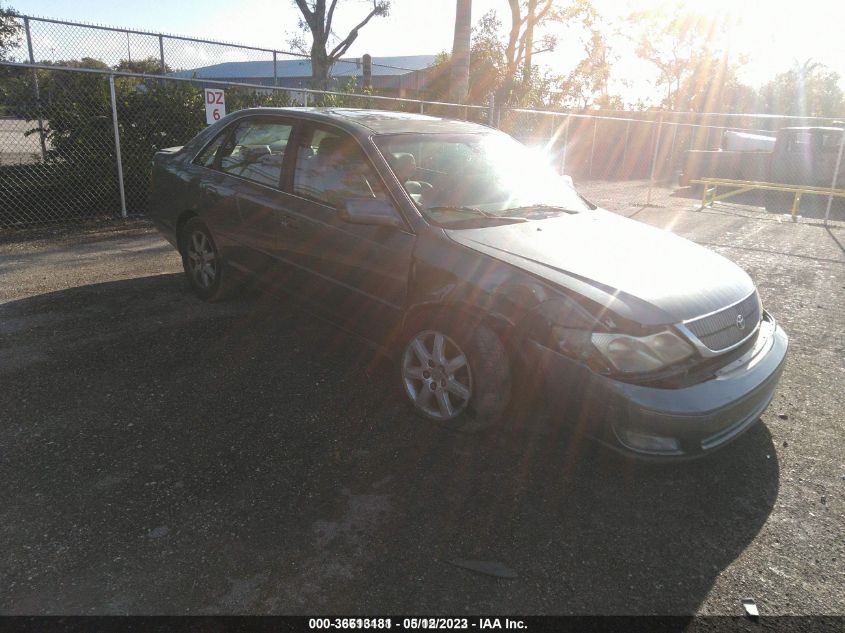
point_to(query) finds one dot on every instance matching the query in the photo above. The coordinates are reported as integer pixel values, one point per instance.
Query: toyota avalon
(464, 256)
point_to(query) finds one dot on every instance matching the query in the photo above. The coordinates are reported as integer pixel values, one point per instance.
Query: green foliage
(695, 67)
(148, 66)
(75, 109)
(10, 31)
(588, 83)
(488, 71)
(808, 89)
(348, 87)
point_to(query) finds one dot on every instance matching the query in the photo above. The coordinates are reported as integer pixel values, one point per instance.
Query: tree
(526, 17)
(147, 66)
(487, 70)
(10, 31)
(807, 89)
(10, 37)
(587, 83)
(486, 64)
(318, 19)
(694, 64)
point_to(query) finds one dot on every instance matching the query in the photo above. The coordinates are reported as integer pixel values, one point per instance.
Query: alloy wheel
(436, 375)
(202, 260)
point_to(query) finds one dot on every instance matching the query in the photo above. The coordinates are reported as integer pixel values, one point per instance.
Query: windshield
(454, 176)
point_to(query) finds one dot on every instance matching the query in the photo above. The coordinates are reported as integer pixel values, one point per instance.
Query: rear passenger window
(206, 156)
(255, 151)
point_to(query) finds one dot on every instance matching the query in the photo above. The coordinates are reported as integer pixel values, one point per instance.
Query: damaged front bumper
(653, 422)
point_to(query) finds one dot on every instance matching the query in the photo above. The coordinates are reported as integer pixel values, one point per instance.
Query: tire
(427, 380)
(208, 275)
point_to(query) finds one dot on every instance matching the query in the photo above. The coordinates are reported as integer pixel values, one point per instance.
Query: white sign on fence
(215, 105)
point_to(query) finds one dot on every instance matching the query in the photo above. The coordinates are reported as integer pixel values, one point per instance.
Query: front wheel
(456, 376)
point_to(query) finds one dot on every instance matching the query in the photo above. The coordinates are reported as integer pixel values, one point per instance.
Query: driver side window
(331, 168)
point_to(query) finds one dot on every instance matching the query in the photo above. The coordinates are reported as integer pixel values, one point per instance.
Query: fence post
(161, 54)
(117, 147)
(37, 89)
(422, 108)
(565, 145)
(654, 159)
(835, 177)
(491, 110)
(593, 146)
(625, 149)
(275, 72)
(672, 150)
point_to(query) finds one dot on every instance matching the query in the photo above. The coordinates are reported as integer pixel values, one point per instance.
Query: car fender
(447, 276)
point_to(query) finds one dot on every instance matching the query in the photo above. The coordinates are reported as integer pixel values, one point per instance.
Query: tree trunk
(320, 67)
(460, 51)
(529, 41)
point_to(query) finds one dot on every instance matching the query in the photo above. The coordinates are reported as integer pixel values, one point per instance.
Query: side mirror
(370, 211)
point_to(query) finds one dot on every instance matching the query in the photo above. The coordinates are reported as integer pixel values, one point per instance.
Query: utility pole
(460, 51)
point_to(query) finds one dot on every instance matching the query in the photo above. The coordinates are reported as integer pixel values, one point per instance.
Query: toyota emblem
(740, 321)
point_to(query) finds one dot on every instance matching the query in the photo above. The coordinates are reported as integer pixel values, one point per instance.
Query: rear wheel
(207, 273)
(456, 375)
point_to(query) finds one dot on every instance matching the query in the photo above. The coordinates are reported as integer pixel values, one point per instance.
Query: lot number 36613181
(215, 105)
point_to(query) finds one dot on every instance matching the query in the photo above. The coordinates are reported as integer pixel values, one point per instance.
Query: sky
(774, 34)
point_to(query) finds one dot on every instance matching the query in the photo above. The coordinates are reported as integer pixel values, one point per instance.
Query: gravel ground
(161, 455)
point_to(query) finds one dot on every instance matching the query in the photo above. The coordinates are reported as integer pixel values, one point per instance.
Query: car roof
(377, 121)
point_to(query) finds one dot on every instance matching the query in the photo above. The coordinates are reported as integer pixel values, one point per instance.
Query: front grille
(719, 331)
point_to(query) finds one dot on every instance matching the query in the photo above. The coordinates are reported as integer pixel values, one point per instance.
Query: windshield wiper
(462, 209)
(541, 207)
(485, 214)
(504, 219)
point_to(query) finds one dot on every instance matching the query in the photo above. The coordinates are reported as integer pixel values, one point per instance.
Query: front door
(357, 274)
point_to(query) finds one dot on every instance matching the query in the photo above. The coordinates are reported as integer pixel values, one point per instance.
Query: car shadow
(163, 455)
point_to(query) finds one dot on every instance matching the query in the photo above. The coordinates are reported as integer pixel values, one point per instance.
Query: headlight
(635, 354)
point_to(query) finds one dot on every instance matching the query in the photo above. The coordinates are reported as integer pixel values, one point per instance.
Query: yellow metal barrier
(711, 185)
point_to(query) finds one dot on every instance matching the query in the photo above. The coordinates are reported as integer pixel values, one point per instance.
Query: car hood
(640, 272)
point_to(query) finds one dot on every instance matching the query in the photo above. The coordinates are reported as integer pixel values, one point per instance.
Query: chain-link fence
(77, 143)
(78, 132)
(58, 42)
(632, 145)
(674, 148)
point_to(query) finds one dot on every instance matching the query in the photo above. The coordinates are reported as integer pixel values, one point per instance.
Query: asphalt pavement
(160, 455)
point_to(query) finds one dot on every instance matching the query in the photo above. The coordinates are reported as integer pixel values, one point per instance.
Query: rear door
(252, 160)
(356, 274)
(216, 197)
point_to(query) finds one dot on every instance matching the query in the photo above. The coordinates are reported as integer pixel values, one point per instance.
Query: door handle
(211, 193)
(288, 222)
